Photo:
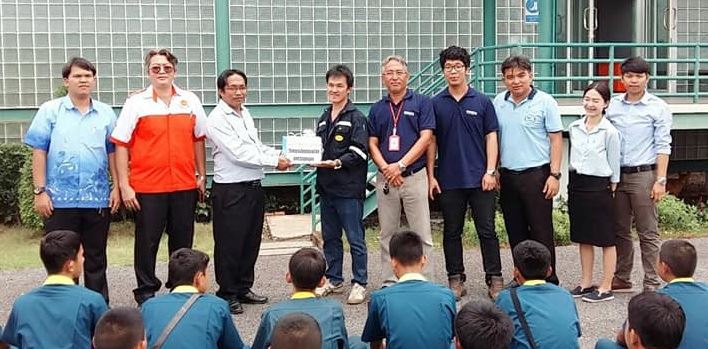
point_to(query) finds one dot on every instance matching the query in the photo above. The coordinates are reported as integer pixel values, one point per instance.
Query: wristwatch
(492, 172)
(556, 175)
(39, 190)
(661, 180)
(402, 166)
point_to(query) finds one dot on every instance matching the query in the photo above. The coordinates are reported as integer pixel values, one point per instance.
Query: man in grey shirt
(237, 197)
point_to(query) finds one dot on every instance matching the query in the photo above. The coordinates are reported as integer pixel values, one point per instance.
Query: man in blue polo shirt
(644, 122)
(402, 125)
(531, 142)
(413, 313)
(71, 159)
(549, 310)
(206, 324)
(59, 314)
(466, 141)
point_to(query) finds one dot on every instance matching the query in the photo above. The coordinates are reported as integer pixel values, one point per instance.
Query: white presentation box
(303, 149)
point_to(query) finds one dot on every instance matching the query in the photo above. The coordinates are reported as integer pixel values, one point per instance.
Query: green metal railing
(683, 76)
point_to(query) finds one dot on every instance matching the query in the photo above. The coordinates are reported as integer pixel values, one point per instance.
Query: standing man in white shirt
(237, 196)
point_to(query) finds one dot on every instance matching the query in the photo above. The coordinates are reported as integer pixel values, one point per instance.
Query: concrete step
(277, 248)
(287, 227)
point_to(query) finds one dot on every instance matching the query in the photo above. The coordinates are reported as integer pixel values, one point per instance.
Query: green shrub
(561, 227)
(12, 157)
(28, 217)
(678, 216)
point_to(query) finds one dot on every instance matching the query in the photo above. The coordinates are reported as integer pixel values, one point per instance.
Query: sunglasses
(156, 69)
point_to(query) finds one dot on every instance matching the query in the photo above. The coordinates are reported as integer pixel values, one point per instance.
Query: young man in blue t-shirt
(481, 325)
(206, 324)
(549, 310)
(120, 328)
(306, 271)
(59, 314)
(654, 320)
(413, 313)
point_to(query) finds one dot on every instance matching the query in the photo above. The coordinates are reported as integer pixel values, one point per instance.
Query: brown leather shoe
(495, 286)
(619, 286)
(457, 286)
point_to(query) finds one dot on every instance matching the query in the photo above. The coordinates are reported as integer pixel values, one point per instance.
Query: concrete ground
(597, 320)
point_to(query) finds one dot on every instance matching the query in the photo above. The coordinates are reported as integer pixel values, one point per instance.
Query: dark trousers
(453, 204)
(344, 214)
(528, 215)
(238, 225)
(171, 212)
(92, 225)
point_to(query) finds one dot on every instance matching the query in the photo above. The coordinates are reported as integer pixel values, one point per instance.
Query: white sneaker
(357, 294)
(328, 288)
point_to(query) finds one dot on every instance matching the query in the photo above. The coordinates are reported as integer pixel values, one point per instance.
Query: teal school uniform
(693, 298)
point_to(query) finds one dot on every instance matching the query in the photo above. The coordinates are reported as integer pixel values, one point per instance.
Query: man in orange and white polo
(159, 139)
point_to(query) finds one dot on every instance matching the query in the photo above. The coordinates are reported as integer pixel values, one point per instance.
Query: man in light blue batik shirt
(71, 161)
(644, 123)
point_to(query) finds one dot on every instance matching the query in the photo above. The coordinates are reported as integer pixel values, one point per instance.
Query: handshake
(283, 163)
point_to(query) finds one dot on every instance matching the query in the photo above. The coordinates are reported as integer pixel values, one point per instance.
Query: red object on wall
(603, 69)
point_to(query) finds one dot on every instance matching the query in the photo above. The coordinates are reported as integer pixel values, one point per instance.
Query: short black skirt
(591, 210)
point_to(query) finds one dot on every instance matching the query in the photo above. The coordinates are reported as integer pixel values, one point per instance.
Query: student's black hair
(184, 264)
(680, 256)
(635, 65)
(307, 267)
(77, 62)
(657, 319)
(532, 259)
(481, 325)
(454, 53)
(406, 247)
(341, 70)
(119, 328)
(58, 247)
(226, 74)
(296, 331)
(516, 61)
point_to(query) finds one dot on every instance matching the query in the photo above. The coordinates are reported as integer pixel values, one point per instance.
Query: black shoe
(579, 292)
(142, 298)
(235, 306)
(252, 298)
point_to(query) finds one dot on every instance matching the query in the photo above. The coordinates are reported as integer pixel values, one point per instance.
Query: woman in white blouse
(594, 172)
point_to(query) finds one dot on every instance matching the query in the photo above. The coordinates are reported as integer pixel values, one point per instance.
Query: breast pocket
(342, 134)
(534, 118)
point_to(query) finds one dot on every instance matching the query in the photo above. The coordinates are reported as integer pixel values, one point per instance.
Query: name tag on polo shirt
(409, 113)
(471, 112)
(394, 143)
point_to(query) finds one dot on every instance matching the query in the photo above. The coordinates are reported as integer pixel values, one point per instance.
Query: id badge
(394, 143)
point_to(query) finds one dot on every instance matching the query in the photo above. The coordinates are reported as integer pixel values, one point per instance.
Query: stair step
(279, 248)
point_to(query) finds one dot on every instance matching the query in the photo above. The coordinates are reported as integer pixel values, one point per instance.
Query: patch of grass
(21, 245)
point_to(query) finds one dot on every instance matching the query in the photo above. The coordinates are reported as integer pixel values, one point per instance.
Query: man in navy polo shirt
(466, 137)
(402, 125)
(531, 140)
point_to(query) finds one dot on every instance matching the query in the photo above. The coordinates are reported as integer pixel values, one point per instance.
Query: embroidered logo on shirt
(471, 112)
(338, 138)
(183, 102)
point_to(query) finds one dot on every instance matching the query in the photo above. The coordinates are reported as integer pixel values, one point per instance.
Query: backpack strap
(175, 319)
(522, 318)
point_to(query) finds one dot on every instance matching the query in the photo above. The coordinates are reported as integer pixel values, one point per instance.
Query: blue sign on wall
(530, 11)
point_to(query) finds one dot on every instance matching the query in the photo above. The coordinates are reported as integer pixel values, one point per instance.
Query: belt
(255, 183)
(526, 170)
(637, 169)
(410, 172)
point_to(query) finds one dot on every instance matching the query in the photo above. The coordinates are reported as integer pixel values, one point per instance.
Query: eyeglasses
(235, 88)
(156, 69)
(392, 73)
(452, 68)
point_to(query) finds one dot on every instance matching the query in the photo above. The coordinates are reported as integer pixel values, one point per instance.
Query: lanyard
(396, 116)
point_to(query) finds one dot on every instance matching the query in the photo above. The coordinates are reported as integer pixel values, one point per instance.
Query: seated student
(306, 271)
(59, 314)
(548, 309)
(206, 324)
(654, 320)
(296, 331)
(677, 263)
(481, 325)
(412, 313)
(120, 328)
